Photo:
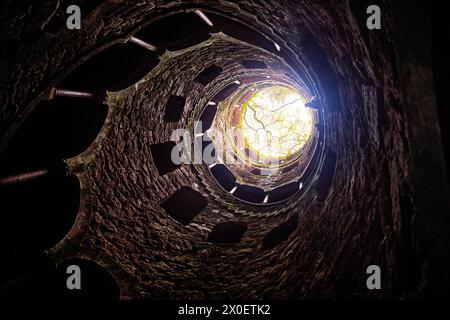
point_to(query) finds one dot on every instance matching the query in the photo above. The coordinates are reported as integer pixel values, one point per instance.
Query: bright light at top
(275, 123)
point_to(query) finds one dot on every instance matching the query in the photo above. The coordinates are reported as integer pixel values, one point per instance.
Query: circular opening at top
(275, 124)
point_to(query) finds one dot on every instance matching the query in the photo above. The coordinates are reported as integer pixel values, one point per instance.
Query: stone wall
(376, 211)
